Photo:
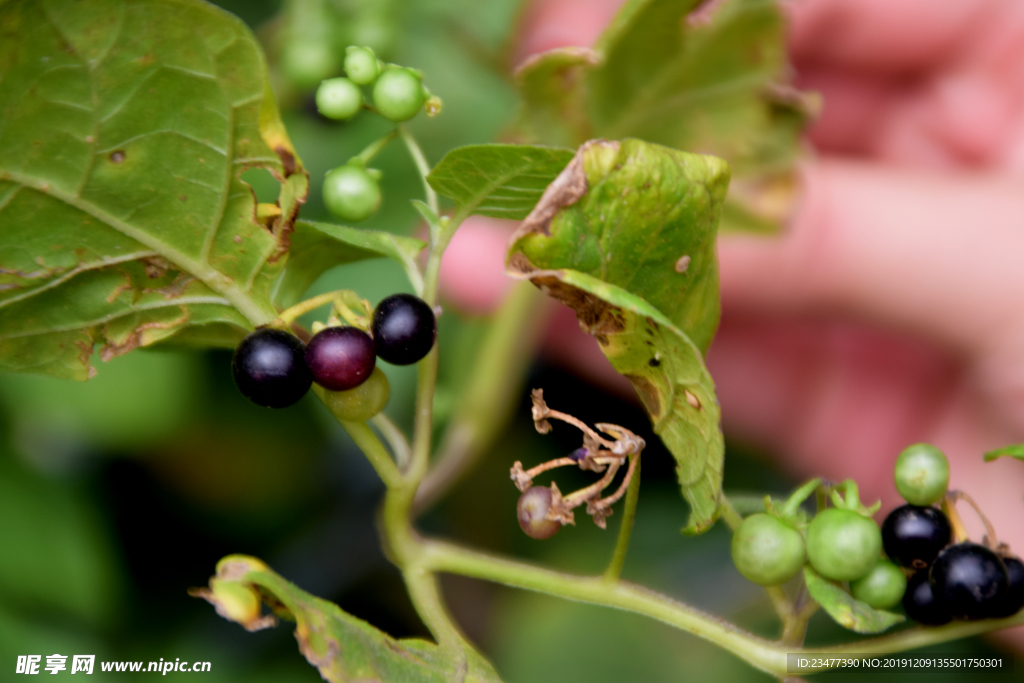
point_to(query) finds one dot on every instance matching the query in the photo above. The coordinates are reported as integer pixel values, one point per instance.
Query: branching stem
(614, 570)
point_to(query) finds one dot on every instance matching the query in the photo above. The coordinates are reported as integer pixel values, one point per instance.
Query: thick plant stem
(374, 451)
(767, 656)
(426, 595)
(614, 570)
(619, 594)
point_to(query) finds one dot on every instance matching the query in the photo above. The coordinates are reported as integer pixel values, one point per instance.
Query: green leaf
(846, 610)
(316, 247)
(1014, 451)
(124, 128)
(712, 79)
(502, 181)
(610, 239)
(341, 646)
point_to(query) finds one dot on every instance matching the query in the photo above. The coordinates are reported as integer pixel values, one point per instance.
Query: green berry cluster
(397, 92)
(352, 191)
(947, 579)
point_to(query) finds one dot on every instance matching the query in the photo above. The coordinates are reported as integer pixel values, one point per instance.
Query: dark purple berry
(340, 358)
(913, 536)
(404, 329)
(269, 369)
(1014, 599)
(532, 510)
(920, 604)
(969, 581)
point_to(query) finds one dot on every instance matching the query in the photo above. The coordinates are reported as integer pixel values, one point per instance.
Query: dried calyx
(598, 454)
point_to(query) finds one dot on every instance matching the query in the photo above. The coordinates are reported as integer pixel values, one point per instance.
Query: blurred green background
(118, 494)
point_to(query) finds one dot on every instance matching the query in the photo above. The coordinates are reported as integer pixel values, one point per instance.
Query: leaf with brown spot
(342, 647)
(610, 253)
(124, 130)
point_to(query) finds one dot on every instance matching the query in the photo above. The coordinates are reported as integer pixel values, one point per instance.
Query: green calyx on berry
(361, 65)
(398, 93)
(351, 192)
(922, 474)
(339, 99)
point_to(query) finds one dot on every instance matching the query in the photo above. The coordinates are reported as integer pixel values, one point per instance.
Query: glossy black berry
(404, 329)
(269, 368)
(1014, 599)
(913, 536)
(919, 603)
(969, 581)
(340, 358)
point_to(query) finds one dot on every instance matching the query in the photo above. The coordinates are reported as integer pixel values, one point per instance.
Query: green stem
(426, 595)
(767, 656)
(370, 445)
(421, 165)
(728, 512)
(376, 146)
(497, 375)
(614, 570)
(449, 558)
(395, 438)
(289, 315)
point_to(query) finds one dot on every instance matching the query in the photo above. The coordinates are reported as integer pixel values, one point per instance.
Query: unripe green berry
(361, 65)
(842, 544)
(766, 550)
(362, 402)
(350, 193)
(882, 587)
(306, 63)
(398, 94)
(922, 474)
(338, 99)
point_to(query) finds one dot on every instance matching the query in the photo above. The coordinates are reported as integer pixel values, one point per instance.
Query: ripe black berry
(969, 581)
(532, 510)
(1014, 599)
(920, 604)
(340, 358)
(404, 329)
(913, 536)
(269, 369)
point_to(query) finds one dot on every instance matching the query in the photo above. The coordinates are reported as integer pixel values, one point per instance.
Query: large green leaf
(712, 79)
(502, 181)
(341, 646)
(124, 128)
(315, 247)
(626, 237)
(845, 609)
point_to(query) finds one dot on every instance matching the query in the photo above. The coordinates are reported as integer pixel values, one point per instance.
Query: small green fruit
(398, 94)
(350, 193)
(882, 587)
(843, 545)
(922, 474)
(338, 99)
(362, 402)
(361, 65)
(766, 550)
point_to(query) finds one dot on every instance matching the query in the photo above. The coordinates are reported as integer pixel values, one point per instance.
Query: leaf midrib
(213, 278)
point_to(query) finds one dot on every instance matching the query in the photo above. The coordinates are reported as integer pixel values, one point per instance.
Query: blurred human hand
(892, 310)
